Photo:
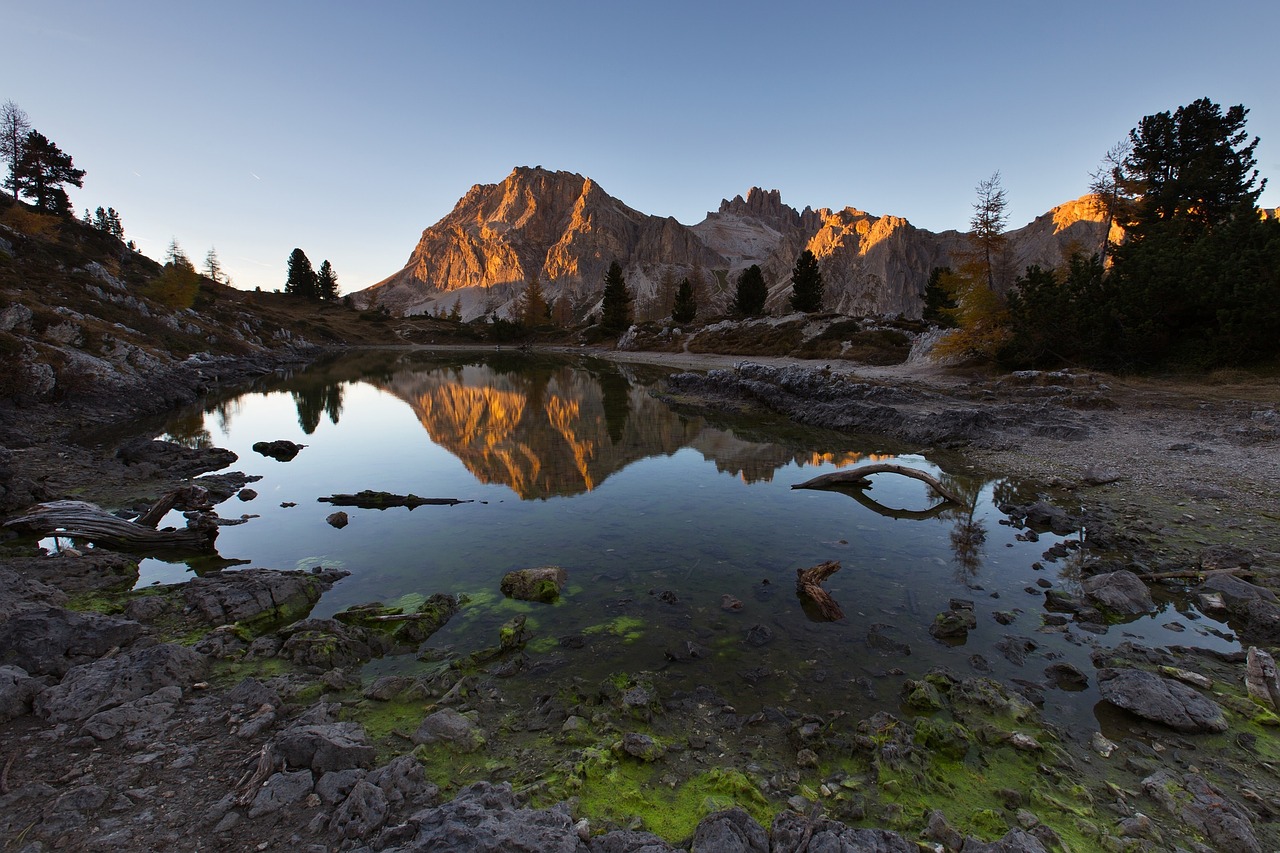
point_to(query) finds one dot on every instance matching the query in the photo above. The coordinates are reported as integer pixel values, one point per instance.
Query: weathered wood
(857, 478)
(369, 499)
(808, 587)
(83, 520)
(186, 497)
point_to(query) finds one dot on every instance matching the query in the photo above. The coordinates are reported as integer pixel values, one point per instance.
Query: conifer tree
(301, 278)
(327, 282)
(616, 309)
(989, 220)
(685, 307)
(806, 284)
(14, 127)
(42, 170)
(531, 307)
(752, 292)
(212, 266)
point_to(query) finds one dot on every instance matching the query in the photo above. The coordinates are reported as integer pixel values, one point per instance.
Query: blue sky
(345, 129)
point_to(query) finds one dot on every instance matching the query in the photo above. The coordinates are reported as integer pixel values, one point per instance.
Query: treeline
(1195, 281)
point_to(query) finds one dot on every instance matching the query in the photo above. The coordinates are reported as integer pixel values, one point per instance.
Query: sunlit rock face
(560, 225)
(567, 230)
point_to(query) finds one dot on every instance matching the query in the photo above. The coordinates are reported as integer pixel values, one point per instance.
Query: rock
(52, 641)
(484, 818)
(541, 584)
(280, 790)
(1235, 591)
(953, 625)
(642, 746)
(174, 459)
(1122, 593)
(332, 788)
(450, 727)
(327, 644)
(1066, 676)
(1161, 700)
(1043, 516)
(148, 712)
(403, 780)
(246, 494)
(337, 519)
(281, 451)
(257, 598)
(1014, 841)
(1015, 649)
(362, 813)
(731, 831)
(19, 593)
(790, 828)
(1224, 824)
(1061, 601)
(759, 635)
(1260, 678)
(17, 690)
(325, 747)
(92, 687)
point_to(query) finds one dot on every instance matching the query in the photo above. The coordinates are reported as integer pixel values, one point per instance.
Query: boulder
(484, 818)
(1122, 593)
(1223, 823)
(92, 687)
(53, 640)
(174, 459)
(280, 790)
(17, 690)
(256, 598)
(789, 830)
(281, 451)
(1161, 700)
(731, 831)
(337, 519)
(325, 747)
(148, 712)
(450, 727)
(541, 584)
(327, 644)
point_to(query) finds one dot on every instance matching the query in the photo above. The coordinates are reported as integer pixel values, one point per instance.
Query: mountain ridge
(566, 229)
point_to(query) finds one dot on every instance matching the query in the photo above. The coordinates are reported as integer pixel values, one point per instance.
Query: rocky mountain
(566, 229)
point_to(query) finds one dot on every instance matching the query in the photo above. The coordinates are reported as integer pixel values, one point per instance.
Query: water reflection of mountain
(561, 430)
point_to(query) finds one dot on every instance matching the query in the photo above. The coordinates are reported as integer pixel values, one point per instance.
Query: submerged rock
(1161, 700)
(541, 584)
(1122, 593)
(281, 451)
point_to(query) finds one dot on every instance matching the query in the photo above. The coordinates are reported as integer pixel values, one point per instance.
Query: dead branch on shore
(856, 478)
(370, 499)
(809, 588)
(83, 520)
(186, 497)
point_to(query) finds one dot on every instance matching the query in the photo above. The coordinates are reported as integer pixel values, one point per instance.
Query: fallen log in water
(856, 478)
(83, 520)
(369, 499)
(809, 588)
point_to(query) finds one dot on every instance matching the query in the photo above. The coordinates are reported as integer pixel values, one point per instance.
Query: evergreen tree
(14, 127)
(616, 309)
(806, 284)
(175, 257)
(988, 222)
(42, 170)
(752, 292)
(685, 307)
(327, 282)
(212, 266)
(301, 278)
(531, 306)
(938, 303)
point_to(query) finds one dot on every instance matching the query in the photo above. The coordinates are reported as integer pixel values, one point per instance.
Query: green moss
(629, 628)
(620, 791)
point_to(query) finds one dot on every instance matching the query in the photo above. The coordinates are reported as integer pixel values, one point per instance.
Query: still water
(673, 528)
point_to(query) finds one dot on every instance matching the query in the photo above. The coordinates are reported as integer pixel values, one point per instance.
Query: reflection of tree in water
(969, 535)
(315, 401)
(188, 430)
(615, 393)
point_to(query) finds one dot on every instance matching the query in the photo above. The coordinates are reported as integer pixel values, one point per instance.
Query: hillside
(566, 229)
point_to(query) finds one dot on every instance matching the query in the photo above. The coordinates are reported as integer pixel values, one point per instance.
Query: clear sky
(347, 128)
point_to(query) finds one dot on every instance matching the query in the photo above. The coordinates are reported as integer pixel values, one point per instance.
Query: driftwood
(82, 520)
(856, 478)
(369, 499)
(187, 497)
(809, 588)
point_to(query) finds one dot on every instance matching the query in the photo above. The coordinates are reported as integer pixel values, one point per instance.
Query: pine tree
(212, 266)
(42, 170)
(326, 282)
(301, 278)
(616, 309)
(806, 284)
(174, 256)
(685, 307)
(752, 292)
(531, 306)
(14, 127)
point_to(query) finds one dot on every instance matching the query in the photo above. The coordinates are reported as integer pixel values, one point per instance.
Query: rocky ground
(214, 715)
